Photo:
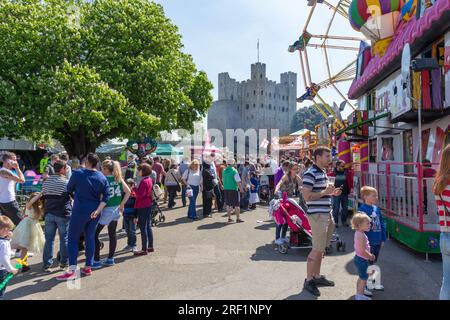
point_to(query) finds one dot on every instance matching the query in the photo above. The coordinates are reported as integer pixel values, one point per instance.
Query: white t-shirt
(195, 178)
(5, 255)
(7, 188)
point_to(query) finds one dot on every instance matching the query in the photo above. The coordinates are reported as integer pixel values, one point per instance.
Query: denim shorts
(362, 265)
(108, 215)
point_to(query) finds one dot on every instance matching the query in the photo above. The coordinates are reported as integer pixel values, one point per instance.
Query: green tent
(167, 150)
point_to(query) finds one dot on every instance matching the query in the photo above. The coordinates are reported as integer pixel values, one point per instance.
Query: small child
(6, 225)
(130, 218)
(28, 235)
(377, 232)
(361, 224)
(254, 190)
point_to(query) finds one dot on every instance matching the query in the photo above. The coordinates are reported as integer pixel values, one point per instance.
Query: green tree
(306, 118)
(85, 72)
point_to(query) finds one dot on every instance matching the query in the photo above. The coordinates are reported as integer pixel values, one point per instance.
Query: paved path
(209, 259)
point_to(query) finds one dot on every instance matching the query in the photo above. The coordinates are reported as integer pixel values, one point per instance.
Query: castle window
(247, 107)
(248, 94)
(262, 105)
(260, 76)
(262, 92)
(270, 107)
(282, 109)
(270, 95)
(232, 97)
(254, 105)
(282, 98)
(254, 92)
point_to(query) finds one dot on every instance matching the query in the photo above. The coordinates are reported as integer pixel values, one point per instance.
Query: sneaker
(70, 275)
(279, 241)
(379, 287)
(285, 240)
(361, 297)
(367, 292)
(127, 248)
(108, 262)
(149, 250)
(134, 249)
(63, 266)
(97, 265)
(16, 255)
(311, 287)
(87, 271)
(324, 282)
(46, 268)
(140, 253)
(30, 254)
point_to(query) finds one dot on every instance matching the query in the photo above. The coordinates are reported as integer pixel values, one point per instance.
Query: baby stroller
(300, 236)
(157, 214)
(265, 193)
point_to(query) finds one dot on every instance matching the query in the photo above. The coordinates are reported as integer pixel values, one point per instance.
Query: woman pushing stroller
(290, 184)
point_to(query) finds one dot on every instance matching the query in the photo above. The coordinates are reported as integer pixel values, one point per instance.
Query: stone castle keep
(257, 103)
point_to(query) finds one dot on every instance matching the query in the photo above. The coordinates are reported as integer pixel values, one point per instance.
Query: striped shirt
(57, 199)
(316, 180)
(444, 212)
(55, 185)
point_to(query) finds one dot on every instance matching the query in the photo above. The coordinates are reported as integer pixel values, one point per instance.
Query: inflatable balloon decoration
(377, 20)
(20, 263)
(142, 147)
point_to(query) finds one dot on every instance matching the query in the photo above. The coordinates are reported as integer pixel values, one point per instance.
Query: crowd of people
(78, 201)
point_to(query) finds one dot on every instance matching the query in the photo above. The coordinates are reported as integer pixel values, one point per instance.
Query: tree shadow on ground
(215, 225)
(267, 252)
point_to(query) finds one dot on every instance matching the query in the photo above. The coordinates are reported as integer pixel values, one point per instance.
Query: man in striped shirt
(58, 208)
(318, 192)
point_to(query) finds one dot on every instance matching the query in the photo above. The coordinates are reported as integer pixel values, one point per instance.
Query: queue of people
(96, 195)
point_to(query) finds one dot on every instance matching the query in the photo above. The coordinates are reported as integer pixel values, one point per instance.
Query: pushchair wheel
(329, 250)
(283, 248)
(339, 246)
(162, 218)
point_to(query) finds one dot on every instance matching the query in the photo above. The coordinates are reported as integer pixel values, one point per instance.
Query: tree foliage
(306, 118)
(84, 72)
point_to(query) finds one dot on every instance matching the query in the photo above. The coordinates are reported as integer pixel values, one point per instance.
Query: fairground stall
(402, 124)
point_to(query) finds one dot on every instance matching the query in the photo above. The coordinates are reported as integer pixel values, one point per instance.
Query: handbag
(189, 190)
(178, 183)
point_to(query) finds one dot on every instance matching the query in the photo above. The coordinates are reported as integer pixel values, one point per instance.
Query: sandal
(239, 221)
(230, 220)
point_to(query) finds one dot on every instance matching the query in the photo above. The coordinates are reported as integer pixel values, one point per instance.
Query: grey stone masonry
(257, 103)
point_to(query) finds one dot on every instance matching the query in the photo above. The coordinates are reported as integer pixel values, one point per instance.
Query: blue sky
(221, 35)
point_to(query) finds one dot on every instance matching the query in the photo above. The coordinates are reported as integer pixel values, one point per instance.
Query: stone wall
(257, 103)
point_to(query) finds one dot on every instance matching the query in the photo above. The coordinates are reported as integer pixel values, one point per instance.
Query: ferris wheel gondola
(326, 41)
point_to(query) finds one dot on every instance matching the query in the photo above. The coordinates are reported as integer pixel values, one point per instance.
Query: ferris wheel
(338, 45)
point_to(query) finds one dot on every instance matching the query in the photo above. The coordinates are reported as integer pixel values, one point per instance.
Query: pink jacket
(144, 194)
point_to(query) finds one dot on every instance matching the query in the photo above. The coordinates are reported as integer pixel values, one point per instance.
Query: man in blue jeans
(58, 209)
